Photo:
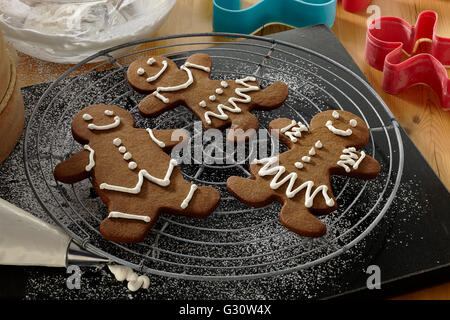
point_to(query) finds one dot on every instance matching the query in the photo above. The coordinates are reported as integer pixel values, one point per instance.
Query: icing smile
(353, 123)
(115, 124)
(157, 75)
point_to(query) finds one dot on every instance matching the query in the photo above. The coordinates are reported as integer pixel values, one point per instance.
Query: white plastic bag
(69, 31)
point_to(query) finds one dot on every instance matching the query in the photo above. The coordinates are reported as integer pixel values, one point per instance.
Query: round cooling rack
(236, 242)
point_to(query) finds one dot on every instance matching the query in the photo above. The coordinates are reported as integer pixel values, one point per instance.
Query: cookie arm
(278, 128)
(271, 97)
(152, 106)
(366, 167)
(167, 139)
(249, 191)
(73, 169)
(200, 59)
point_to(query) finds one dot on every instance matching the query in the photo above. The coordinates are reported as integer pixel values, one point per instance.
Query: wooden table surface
(417, 109)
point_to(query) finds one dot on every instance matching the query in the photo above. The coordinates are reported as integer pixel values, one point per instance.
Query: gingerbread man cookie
(218, 103)
(132, 173)
(300, 177)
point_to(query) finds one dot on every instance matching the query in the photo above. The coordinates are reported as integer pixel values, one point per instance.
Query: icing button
(132, 165)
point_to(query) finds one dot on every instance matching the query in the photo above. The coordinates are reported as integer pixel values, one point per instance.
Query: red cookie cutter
(355, 5)
(410, 55)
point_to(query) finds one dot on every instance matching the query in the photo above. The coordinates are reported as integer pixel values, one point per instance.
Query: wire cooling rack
(236, 242)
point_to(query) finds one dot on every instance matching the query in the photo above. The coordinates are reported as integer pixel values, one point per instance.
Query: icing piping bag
(26, 240)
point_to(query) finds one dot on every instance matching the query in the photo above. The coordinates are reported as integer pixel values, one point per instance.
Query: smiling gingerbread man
(300, 178)
(132, 173)
(218, 103)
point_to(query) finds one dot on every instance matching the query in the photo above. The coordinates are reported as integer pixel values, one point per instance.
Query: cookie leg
(200, 202)
(298, 219)
(127, 227)
(243, 127)
(320, 206)
(368, 169)
(250, 191)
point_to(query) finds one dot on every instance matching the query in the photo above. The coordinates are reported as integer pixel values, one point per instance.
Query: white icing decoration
(185, 85)
(174, 88)
(197, 66)
(117, 142)
(318, 144)
(122, 149)
(353, 123)
(202, 104)
(140, 71)
(219, 91)
(336, 131)
(87, 117)
(296, 132)
(152, 136)
(91, 158)
(117, 214)
(240, 92)
(141, 175)
(161, 97)
(312, 151)
(224, 84)
(156, 76)
(335, 114)
(299, 165)
(212, 98)
(188, 198)
(132, 165)
(127, 156)
(151, 61)
(288, 127)
(349, 157)
(113, 125)
(135, 282)
(109, 112)
(306, 159)
(269, 170)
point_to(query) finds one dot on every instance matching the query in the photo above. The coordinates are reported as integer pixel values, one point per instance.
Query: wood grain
(417, 109)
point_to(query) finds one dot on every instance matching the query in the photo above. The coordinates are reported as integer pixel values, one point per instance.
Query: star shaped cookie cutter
(410, 55)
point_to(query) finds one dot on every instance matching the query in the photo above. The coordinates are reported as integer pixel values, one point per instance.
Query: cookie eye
(335, 114)
(87, 117)
(353, 123)
(109, 113)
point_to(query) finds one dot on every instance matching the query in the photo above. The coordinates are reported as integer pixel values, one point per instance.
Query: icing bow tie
(410, 55)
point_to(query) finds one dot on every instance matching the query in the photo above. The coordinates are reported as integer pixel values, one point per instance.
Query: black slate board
(410, 245)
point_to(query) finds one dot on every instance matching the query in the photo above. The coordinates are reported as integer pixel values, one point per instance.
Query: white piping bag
(25, 240)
